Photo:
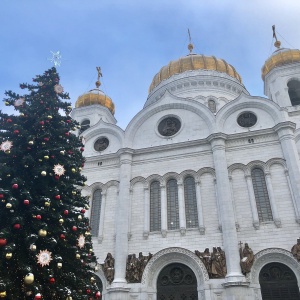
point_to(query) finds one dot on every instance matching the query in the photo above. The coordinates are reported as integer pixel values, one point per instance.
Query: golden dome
(280, 57)
(95, 96)
(193, 62)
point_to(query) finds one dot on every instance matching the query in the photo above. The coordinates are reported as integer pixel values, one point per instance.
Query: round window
(101, 144)
(247, 119)
(169, 126)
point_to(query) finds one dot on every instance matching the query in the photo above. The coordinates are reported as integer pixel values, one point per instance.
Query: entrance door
(177, 282)
(278, 282)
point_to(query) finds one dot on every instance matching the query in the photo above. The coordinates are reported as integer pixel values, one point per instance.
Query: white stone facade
(220, 155)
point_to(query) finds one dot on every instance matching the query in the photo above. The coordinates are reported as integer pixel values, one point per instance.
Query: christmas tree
(45, 242)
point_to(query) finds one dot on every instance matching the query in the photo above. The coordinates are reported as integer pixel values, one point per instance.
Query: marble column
(275, 214)
(252, 201)
(285, 131)
(200, 208)
(164, 211)
(181, 206)
(234, 276)
(121, 245)
(146, 213)
(102, 211)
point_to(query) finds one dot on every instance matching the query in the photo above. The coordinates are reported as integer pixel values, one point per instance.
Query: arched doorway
(277, 281)
(177, 282)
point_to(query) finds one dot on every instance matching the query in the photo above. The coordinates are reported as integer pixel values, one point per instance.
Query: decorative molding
(272, 255)
(202, 230)
(164, 233)
(256, 225)
(182, 231)
(277, 222)
(169, 255)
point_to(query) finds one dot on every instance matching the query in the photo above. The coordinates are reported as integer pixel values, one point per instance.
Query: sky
(132, 39)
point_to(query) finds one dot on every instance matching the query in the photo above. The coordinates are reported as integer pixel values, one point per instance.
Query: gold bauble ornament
(69, 298)
(79, 168)
(73, 170)
(59, 265)
(42, 232)
(77, 256)
(25, 166)
(40, 160)
(21, 114)
(74, 193)
(8, 205)
(8, 255)
(43, 173)
(62, 152)
(80, 217)
(30, 142)
(49, 117)
(6, 103)
(32, 247)
(91, 250)
(7, 152)
(47, 204)
(8, 175)
(43, 143)
(92, 279)
(29, 278)
(61, 221)
(46, 157)
(3, 294)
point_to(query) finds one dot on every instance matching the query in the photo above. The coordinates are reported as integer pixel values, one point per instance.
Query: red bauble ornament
(66, 212)
(17, 226)
(81, 149)
(15, 186)
(62, 236)
(26, 202)
(1, 196)
(52, 156)
(82, 211)
(67, 133)
(9, 120)
(42, 122)
(56, 177)
(38, 296)
(38, 217)
(70, 152)
(88, 291)
(3, 242)
(52, 280)
(46, 139)
(68, 121)
(41, 102)
(74, 228)
(57, 197)
(98, 295)
(16, 131)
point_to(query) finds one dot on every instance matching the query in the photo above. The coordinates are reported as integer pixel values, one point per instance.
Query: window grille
(172, 204)
(95, 212)
(190, 202)
(155, 207)
(261, 195)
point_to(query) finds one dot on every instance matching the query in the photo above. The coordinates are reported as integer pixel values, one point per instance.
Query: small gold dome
(280, 57)
(193, 62)
(95, 96)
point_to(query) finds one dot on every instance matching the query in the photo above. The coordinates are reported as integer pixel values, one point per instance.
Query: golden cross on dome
(277, 43)
(98, 83)
(190, 45)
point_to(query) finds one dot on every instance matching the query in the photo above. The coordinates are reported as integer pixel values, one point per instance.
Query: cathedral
(199, 197)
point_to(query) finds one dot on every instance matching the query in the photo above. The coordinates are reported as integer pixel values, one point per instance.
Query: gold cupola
(193, 62)
(96, 96)
(280, 57)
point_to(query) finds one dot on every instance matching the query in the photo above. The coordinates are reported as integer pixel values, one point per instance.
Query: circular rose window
(169, 126)
(247, 119)
(101, 144)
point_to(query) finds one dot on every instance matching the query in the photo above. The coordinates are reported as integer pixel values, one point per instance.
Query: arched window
(155, 208)
(278, 281)
(172, 204)
(95, 212)
(261, 195)
(294, 91)
(190, 202)
(84, 126)
(212, 105)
